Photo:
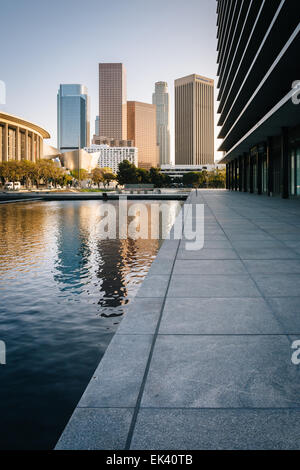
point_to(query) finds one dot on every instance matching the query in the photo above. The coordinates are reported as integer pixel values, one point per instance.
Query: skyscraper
(141, 126)
(161, 99)
(73, 117)
(258, 57)
(194, 120)
(112, 101)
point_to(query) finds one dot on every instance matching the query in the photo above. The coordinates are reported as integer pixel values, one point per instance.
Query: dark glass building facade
(259, 95)
(73, 117)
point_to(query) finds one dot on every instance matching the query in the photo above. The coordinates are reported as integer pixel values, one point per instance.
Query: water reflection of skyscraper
(113, 292)
(55, 270)
(122, 266)
(106, 273)
(73, 251)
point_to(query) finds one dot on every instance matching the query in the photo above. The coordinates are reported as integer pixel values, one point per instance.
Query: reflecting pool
(63, 292)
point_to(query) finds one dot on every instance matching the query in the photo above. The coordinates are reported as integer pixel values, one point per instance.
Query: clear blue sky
(61, 41)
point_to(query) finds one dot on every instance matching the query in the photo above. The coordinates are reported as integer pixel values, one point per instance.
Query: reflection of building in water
(122, 266)
(99, 269)
(110, 271)
(22, 236)
(72, 240)
(101, 273)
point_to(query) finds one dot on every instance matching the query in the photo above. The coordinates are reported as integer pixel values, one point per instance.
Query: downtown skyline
(165, 56)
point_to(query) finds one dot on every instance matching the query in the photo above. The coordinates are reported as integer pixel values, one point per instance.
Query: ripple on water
(63, 292)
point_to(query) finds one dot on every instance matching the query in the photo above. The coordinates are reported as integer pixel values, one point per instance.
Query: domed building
(20, 139)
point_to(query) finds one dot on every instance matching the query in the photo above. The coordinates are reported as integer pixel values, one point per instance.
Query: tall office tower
(161, 99)
(97, 126)
(194, 120)
(258, 57)
(73, 117)
(112, 101)
(141, 125)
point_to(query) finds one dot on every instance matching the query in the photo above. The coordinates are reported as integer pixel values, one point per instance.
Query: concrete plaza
(202, 359)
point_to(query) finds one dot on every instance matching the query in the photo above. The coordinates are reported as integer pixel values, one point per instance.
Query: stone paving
(202, 360)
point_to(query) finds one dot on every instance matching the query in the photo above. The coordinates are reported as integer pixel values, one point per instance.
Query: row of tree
(130, 174)
(46, 171)
(127, 173)
(205, 179)
(33, 173)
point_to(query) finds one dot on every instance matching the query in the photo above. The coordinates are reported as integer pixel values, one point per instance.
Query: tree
(57, 176)
(143, 176)
(11, 171)
(217, 179)
(67, 179)
(167, 180)
(4, 172)
(191, 179)
(127, 173)
(108, 176)
(203, 179)
(97, 176)
(156, 177)
(33, 172)
(42, 170)
(27, 168)
(83, 174)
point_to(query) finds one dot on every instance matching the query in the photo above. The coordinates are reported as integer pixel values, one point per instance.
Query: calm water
(63, 292)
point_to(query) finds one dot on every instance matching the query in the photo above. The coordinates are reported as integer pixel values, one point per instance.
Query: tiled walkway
(203, 358)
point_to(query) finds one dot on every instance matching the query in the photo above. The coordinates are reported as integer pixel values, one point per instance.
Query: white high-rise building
(161, 99)
(111, 157)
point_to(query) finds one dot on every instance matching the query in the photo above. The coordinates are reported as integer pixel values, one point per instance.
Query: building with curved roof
(20, 139)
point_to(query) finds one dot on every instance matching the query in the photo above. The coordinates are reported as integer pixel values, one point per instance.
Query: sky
(50, 42)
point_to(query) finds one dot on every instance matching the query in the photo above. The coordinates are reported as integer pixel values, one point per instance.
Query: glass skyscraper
(73, 120)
